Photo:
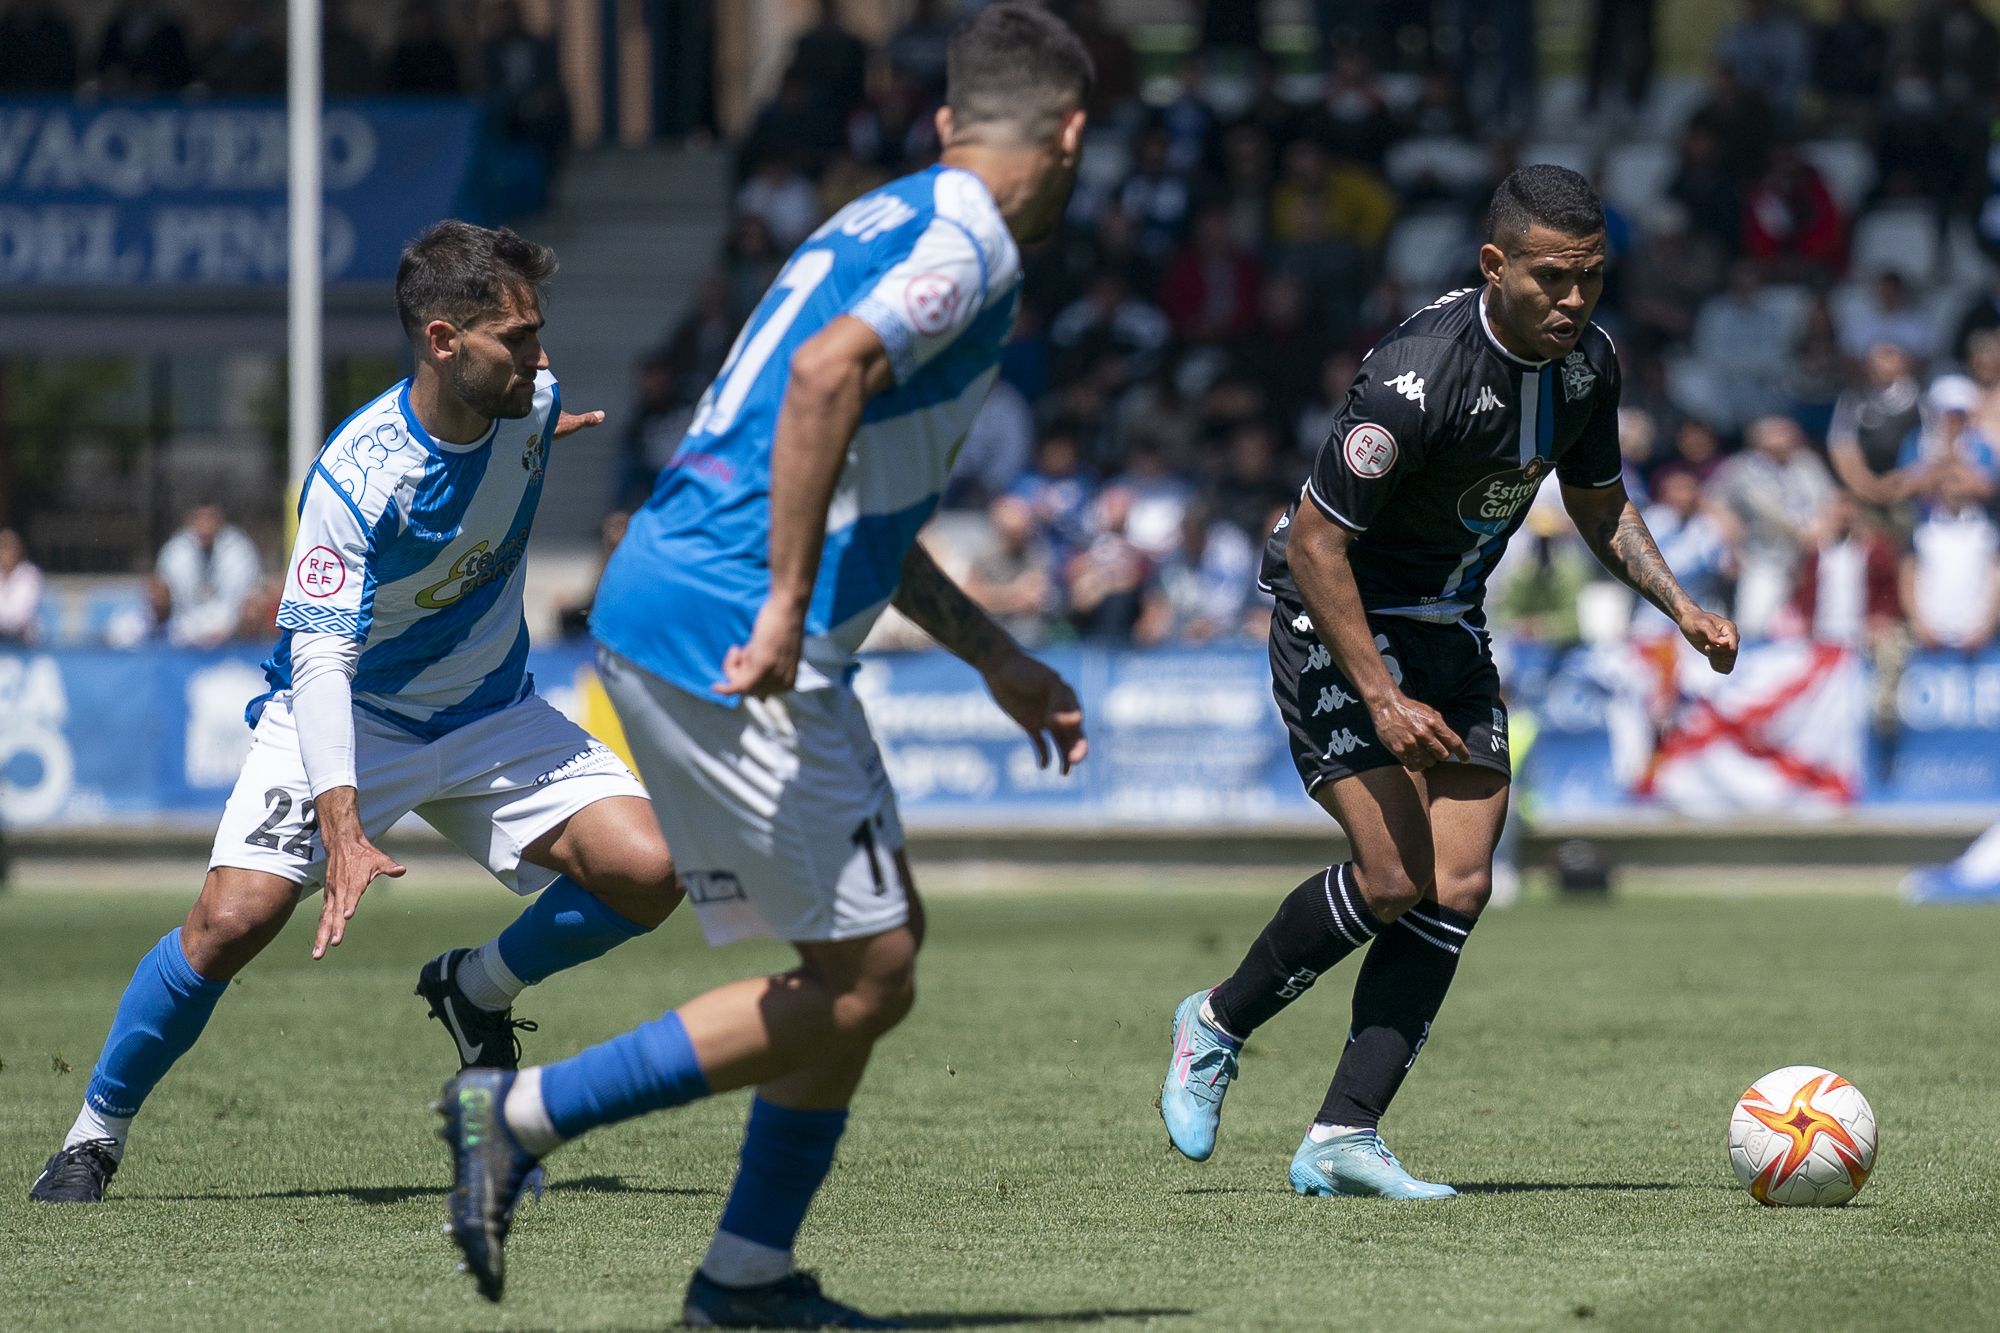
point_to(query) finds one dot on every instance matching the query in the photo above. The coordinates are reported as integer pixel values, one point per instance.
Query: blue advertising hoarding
(173, 193)
(96, 737)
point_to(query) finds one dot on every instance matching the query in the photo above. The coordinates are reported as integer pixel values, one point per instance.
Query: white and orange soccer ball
(1802, 1137)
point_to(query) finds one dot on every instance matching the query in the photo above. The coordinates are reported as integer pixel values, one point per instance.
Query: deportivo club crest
(1577, 376)
(532, 456)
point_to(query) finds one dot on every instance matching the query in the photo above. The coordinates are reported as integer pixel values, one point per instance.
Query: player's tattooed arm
(940, 608)
(1040, 701)
(1611, 526)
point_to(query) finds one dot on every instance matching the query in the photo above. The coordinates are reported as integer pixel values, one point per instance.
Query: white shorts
(492, 787)
(779, 812)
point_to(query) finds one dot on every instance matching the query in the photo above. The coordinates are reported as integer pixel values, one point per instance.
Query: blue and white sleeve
(927, 299)
(327, 580)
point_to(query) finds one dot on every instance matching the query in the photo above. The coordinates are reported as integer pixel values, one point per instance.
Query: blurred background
(1804, 206)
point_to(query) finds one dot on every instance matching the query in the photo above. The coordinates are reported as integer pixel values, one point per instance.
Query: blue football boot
(1198, 1077)
(791, 1302)
(490, 1170)
(1358, 1166)
(1943, 884)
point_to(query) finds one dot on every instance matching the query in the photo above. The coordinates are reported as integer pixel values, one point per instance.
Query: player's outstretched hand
(1416, 734)
(569, 423)
(1044, 705)
(1714, 636)
(350, 868)
(769, 663)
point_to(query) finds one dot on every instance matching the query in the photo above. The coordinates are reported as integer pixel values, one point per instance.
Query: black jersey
(1439, 449)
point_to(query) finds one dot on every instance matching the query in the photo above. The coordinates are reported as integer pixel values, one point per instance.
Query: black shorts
(1450, 667)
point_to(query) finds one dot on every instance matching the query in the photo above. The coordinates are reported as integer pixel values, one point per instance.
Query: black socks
(1319, 923)
(1399, 992)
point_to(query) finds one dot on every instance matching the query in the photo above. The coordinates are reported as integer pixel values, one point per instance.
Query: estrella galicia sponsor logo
(712, 886)
(1490, 505)
(1343, 742)
(1332, 699)
(1578, 377)
(474, 570)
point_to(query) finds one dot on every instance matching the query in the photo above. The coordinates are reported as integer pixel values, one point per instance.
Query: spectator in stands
(1776, 490)
(1951, 577)
(661, 410)
(248, 58)
(996, 449)
(1252, 483)
(1770, 49)
(1819, 371)
(204, 579)
(1155, 197)
(1013, 573)
(522, 80)
(1213, 287)
(1202, 591)
(144, 50)
(1244, 189)
(1791, 225)
(1316, 418)
(1849, 593)
(1697, 448)
(1704, 185)
(1109, 319)
(1156, 497)
(1947, 438)
(1982, 316)
(1621, 52)
(1982, 366)
(421, 62)
(20, 593)
(1892, 316)
(832, 60)
(1112, 60)
(37, 49)
(1739, 116)
(1851, 62)
(780, 193)
(347, 61)
(1321, 201)
(1105, 582)
(1694, 538)
(1678, 268)
(916, 50)
(1742, 340)
(1961, 47)
(1059, 492)
(802, 126)
(1353, 122)
(1872, 423)
(1285, 350)
(1920, 147)
(1539, 579)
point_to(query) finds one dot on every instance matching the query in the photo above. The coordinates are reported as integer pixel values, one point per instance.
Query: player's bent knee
(1467, 892)
(236, 915)
(1391, 889)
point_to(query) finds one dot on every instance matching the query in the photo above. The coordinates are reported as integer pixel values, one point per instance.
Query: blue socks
(564, 926)
(166, 1005)
(786, 1155)
(650, 1068)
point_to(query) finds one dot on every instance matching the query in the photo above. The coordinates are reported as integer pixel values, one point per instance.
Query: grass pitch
(1006, 1165)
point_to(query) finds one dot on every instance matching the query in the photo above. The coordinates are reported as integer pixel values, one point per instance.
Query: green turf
(1006, 1163)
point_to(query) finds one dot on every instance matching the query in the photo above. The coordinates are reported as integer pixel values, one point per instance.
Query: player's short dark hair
(1543, 195)
(459, 272)
(1015, 62)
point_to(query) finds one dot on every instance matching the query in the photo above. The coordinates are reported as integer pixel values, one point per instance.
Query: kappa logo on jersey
(1369, 450)
(1488, 400)
(1411, 386)
(321, 572)
(1318, 658)
(1332, 699)
(1343, 742)
(1490, 505)
(1577, 376)
(931, 299)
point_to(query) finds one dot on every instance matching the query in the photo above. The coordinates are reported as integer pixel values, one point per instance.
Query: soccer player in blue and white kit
(399, 685)
(728, 619)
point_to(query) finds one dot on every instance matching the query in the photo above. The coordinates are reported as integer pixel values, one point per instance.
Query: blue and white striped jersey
(414, 547)
(928, 263)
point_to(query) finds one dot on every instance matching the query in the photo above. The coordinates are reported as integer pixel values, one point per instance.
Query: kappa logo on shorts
(1395, 667)
(1332, 699)
(1302, 623)
(1344, 742)
(712, 886)
(1318, 658)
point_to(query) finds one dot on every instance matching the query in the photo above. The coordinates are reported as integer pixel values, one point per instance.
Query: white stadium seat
(1636, 176)
(1428, 249)
(1453, 163)
(1898, 237)
(1847, 167)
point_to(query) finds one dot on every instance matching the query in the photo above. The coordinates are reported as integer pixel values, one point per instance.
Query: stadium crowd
(1801, 292)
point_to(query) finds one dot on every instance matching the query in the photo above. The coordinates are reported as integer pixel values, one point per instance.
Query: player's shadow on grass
(378, 1195)
(1004, 1318)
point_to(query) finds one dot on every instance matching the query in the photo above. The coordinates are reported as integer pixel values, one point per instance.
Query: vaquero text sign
(150, 194)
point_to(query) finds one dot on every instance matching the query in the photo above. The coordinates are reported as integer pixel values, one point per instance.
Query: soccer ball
(1802, 1137)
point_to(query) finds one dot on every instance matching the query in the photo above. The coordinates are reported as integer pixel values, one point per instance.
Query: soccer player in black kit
(1383, 671)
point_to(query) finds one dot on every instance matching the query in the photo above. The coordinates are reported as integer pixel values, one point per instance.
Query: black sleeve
(1379, 434)
(1594, 461)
